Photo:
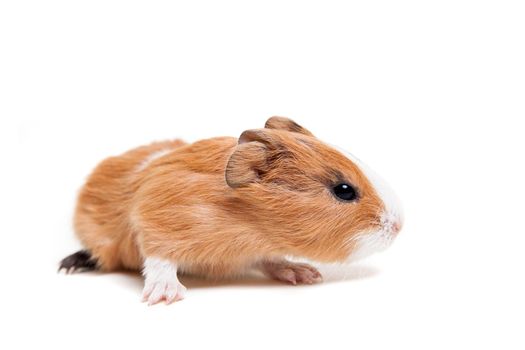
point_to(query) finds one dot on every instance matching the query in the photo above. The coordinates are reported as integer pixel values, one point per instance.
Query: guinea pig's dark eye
(345, 192)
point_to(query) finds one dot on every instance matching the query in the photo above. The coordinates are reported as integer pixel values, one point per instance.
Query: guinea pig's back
(102, 207)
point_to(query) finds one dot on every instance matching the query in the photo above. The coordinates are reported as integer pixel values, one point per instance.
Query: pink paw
(293, 273)
(161, 282)
(157, 291)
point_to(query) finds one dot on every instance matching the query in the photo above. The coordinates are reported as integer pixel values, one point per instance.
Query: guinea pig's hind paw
(293, 273)
(79, 261)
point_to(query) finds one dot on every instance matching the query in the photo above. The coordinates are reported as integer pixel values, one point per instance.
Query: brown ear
(282, 123)
(250, 158)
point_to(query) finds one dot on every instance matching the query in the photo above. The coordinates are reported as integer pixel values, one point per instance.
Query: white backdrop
(430, 94)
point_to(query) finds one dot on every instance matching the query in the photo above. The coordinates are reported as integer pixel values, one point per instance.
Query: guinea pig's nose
(391, 223)
(396, 227)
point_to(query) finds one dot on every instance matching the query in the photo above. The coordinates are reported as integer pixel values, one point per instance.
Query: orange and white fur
(223, 206)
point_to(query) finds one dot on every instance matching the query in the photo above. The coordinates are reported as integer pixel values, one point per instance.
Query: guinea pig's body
(171, 200)
(223, 206)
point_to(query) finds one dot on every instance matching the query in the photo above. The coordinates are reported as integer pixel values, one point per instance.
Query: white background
(429, 93)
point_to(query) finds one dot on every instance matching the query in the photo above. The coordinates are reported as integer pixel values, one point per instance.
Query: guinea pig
(224, 206)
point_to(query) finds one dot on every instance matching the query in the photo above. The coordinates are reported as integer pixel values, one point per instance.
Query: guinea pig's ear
(249, 160)
(282, 123)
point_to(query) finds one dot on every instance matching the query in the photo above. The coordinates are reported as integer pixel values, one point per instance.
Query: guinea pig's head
(310, 199)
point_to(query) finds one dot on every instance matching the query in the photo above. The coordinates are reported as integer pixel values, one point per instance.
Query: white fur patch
(161, 282)
(151, 157)
(391, 220)
(367, 243)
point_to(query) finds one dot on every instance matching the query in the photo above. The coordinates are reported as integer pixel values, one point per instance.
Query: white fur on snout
(161, 282)
(391, 220)
(368, 243)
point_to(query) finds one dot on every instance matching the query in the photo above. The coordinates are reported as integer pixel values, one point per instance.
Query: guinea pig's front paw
(290, 272)
(157, 291)
(161, 282)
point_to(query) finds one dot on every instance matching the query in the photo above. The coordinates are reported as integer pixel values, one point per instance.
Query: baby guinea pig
(223, 206)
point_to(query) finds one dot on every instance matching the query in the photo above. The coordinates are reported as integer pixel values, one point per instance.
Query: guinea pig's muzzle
(377, 240)
(391, 223)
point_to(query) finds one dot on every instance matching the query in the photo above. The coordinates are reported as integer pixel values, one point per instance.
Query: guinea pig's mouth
(369, 242)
